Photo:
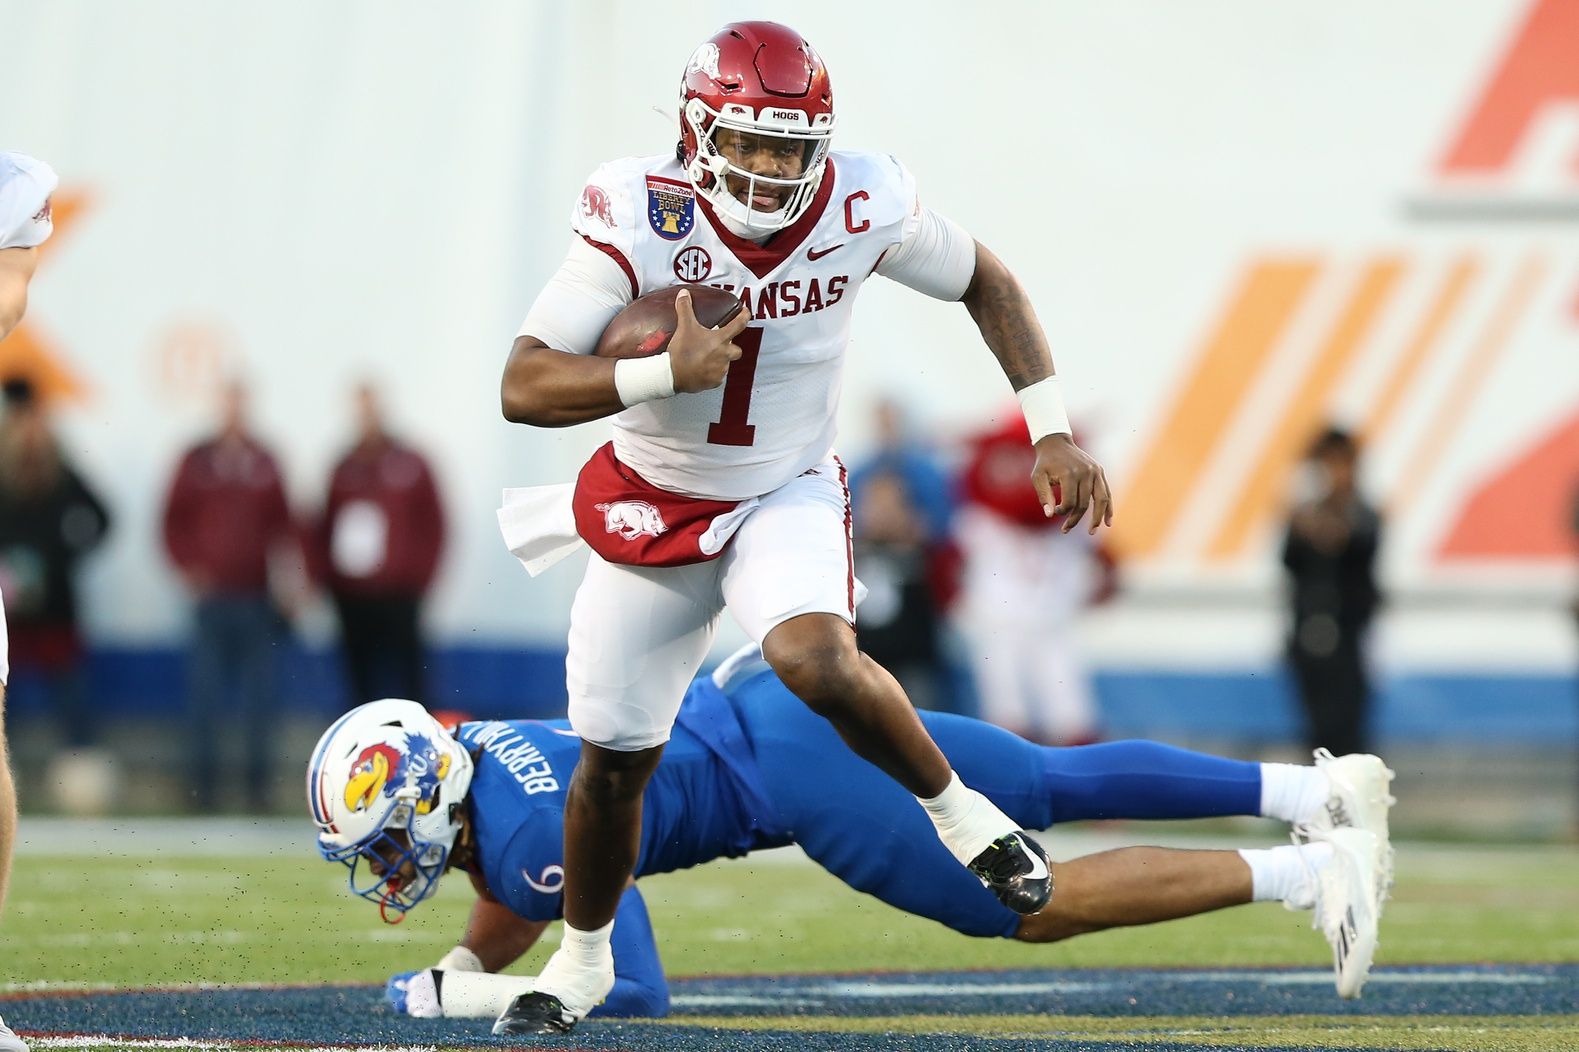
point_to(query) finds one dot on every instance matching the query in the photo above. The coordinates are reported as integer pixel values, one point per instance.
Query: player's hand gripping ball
(699, 335)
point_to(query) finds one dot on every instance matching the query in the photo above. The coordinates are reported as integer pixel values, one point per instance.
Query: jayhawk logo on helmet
(381, 769)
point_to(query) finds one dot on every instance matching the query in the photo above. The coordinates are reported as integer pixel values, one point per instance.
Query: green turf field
(83, 920)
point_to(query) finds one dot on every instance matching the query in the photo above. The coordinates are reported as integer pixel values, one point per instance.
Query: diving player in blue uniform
(400, 801)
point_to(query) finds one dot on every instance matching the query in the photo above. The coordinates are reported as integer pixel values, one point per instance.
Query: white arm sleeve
(578, 302)
(938, 258)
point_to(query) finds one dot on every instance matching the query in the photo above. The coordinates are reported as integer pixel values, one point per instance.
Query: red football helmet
(763, 79)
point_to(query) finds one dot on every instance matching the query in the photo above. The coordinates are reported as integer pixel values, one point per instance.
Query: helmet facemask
(715, 176)
(403, 868)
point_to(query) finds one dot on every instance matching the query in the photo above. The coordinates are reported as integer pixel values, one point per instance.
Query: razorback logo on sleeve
(595, 205)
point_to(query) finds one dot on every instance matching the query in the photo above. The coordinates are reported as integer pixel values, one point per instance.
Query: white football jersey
(774, 416)
(25, 187)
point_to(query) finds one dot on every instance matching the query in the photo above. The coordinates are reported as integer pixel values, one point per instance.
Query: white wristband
(460, 959)
(1044, 409)
(640, 380)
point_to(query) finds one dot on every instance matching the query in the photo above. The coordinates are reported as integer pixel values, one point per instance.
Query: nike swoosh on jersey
(814, 255)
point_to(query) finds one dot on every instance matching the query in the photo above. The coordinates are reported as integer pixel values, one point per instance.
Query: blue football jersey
(700, 804)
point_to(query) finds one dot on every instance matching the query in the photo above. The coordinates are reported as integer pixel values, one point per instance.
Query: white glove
(416, 994)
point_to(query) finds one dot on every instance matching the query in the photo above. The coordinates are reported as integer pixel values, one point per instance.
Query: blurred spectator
(1025, 585)
(1574, 526)
(224, 519)
(898, 621)
(377, 547)
(1330, 555)
(49, 519)
(907, 458)
(902, 457)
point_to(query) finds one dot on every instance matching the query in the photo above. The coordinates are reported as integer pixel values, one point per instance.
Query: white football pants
(638, 635)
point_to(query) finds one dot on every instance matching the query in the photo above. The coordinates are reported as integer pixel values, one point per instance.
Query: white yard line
(215, 1046)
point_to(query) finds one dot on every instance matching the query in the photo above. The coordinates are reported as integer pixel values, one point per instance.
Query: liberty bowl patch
(671, 207)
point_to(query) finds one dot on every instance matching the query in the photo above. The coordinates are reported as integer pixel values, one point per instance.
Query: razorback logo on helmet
(595, 205)
(632, 518)
(704, 60)
(381, 769)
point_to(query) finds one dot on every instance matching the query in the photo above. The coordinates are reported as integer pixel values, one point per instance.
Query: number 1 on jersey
(731, 429)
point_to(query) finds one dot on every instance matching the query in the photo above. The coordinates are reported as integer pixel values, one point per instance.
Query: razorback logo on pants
(632, 519)
(628, 520)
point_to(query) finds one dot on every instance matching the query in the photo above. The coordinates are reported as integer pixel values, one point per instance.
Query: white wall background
(379, 188)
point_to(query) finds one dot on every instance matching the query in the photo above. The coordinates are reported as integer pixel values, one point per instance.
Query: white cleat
(1347, 888)
(9, 1042)
(1360, 799)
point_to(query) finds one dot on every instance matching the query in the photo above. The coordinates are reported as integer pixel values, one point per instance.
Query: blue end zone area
(1120, 992)
(356, 1015)
(1508, 709)
(1248, 706)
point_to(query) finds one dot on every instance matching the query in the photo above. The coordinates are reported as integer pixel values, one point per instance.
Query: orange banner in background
(1407, 370)
(1539, 70)
(1260, 496)
(1527, 510)
(1253, 323)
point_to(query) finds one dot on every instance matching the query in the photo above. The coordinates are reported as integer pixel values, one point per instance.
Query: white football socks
(588, 947)
(967, 822)
(1285, 874)
(1292, 792)
(581, 971)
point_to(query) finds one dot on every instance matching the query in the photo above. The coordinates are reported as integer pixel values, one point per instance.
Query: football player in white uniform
(721, 467)
(25, 188)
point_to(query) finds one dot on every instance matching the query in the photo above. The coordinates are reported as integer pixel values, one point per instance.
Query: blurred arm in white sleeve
(16, 270)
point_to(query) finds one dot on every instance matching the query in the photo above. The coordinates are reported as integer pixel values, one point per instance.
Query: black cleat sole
(534, 1013)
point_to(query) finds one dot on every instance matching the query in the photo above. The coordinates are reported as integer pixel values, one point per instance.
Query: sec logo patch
(693, 264)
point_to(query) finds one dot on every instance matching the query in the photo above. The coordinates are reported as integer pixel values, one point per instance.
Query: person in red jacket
(1025, 583)
(225, 518)
(377, 547)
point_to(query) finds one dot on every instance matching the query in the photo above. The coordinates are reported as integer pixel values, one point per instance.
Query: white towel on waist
(538, 525)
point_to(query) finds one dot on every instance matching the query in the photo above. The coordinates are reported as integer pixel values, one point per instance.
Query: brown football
(645, 326)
